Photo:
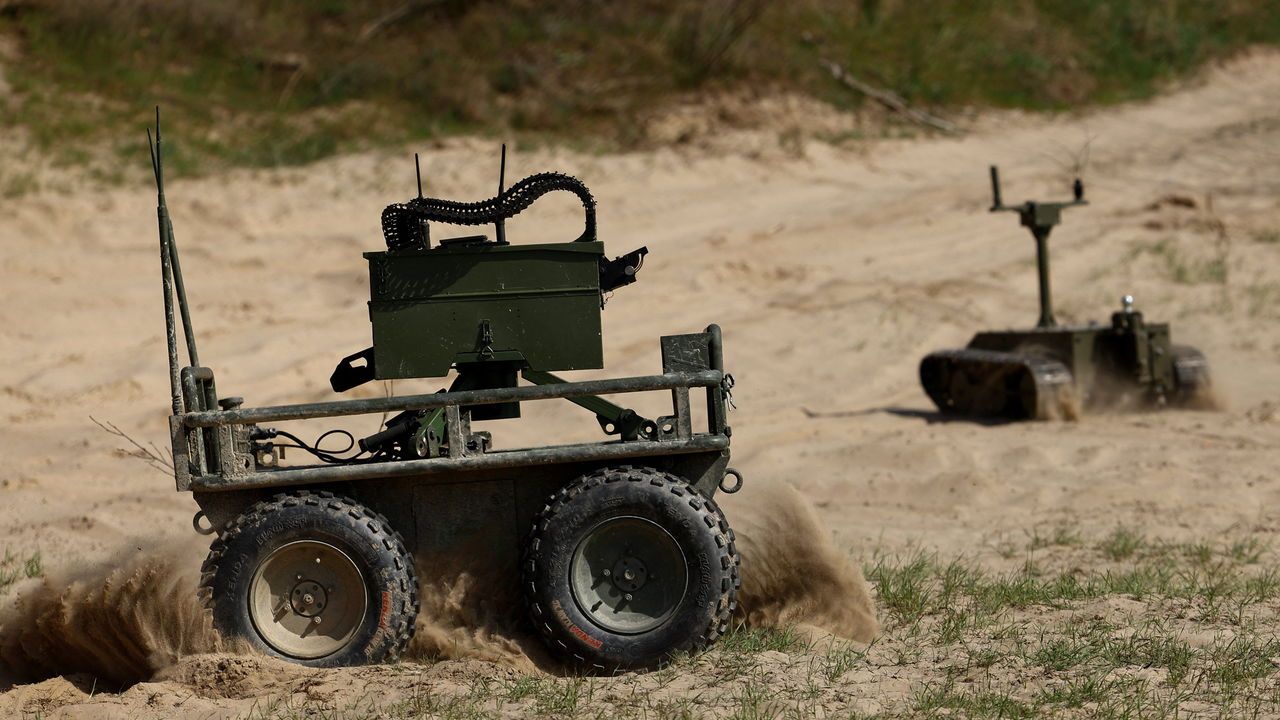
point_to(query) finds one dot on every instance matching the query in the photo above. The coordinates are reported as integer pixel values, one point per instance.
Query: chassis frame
(448, 507)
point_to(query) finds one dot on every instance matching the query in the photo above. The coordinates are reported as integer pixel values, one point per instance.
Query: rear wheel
(627, 567)
(314, 578)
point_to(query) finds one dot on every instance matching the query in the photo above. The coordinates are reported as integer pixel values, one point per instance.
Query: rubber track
(1049, 376)
(391, 540)
(712, 516)
(401, 221)
(1191, 373)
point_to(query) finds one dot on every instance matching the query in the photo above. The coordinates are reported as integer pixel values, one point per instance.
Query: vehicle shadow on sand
(932, 417)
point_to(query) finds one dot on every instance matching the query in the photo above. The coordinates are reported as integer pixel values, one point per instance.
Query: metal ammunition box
(470, 302)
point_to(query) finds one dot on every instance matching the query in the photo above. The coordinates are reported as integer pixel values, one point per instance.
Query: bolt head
(316, 619)
(627, 597)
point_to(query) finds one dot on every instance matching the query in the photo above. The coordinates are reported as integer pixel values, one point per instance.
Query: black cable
(331, 456)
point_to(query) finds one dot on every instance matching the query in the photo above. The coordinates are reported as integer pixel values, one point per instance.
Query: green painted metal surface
(538, 305)
(1101, 358)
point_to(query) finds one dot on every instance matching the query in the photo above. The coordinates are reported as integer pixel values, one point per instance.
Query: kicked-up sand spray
(128, 618)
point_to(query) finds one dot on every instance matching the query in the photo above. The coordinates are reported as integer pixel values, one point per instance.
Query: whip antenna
(417, 168)
(166, 271)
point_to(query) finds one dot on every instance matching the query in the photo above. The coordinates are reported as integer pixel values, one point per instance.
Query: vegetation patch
(1184, 268)
(264, 83)
(1122, 625)
(1267, 237)
(15, 567)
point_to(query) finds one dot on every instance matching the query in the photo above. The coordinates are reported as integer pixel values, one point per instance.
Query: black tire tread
(711, 515)
(377, 525)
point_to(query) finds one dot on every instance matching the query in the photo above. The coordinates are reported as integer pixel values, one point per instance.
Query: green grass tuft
(16, 567)
(1122, 544)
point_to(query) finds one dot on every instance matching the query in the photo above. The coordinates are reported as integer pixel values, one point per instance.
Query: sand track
(832, 273)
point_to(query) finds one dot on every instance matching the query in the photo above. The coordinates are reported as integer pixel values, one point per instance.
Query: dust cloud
(465, 615)
(125, 620)
(792, 572)
(121, 621)
(792, 575)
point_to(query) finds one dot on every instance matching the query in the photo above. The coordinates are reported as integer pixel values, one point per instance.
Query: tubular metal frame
(233, 471)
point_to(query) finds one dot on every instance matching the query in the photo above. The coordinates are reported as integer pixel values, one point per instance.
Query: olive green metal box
(465, 302)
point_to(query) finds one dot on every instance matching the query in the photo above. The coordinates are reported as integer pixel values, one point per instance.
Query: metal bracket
(232, 463)
(680, 425)
(613, 418)
(686, 353)
(453, 427)
(485, 346)
(179, 442)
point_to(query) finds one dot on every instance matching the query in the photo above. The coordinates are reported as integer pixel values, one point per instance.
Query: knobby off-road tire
(304, 555)
(627, 567)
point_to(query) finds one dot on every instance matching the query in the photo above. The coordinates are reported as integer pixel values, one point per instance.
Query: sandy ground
(831, 269)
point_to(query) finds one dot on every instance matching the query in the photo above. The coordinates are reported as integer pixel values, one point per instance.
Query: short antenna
(499, 226)
(502, 170)
(417, 168)
(424, 229)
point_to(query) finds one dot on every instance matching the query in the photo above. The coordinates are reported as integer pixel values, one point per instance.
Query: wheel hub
(628, 575)
(308, 598)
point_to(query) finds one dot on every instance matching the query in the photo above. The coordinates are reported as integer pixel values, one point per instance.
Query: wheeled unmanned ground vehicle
(620, 552)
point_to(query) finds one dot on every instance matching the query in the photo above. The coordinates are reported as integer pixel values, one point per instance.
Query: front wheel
(314, 578)
(627, 567)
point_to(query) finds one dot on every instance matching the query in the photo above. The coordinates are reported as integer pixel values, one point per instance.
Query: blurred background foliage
(280, 82)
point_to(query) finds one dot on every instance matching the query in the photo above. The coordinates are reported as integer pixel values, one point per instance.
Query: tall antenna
(175, 267)
(499, 226)
(166, 269)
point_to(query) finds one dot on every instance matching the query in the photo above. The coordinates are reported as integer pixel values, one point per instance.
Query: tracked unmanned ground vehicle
(1048, 370)
(621, 554)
